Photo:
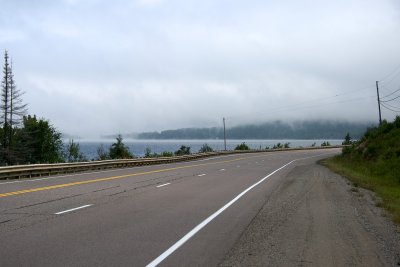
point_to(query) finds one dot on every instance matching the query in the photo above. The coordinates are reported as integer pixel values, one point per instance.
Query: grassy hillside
(374, 163)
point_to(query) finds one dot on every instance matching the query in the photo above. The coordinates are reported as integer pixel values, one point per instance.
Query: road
(197, 213)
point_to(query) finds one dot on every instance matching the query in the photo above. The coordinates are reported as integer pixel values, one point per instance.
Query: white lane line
(221, 170)
(161, 185)
(174, 247)
(203, 174)
(78, 208)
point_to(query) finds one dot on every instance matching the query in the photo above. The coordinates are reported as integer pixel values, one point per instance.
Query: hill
(270, 130)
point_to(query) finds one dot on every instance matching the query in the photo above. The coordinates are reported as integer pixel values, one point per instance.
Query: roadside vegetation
(26, 139)
(242, 146)
(373, 163)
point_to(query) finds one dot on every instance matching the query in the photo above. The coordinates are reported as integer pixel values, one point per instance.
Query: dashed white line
(203, 174)
(78, 208)
(221, 170)
(161, 185)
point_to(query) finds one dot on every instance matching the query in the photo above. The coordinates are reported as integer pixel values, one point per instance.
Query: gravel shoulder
(317, 218)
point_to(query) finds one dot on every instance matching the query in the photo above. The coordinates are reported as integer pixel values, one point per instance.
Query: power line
(391, 73)
(391, 99)
(394, 110)
(389, 105)
(300, 105)
(391, 93)
(391, 80)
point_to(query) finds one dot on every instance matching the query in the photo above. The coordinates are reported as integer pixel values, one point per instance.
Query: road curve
(173, 214)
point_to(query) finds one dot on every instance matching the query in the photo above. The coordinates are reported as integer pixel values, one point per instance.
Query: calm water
(137, 147)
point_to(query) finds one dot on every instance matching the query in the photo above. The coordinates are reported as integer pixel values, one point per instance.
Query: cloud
(96, 67)
(151, 3)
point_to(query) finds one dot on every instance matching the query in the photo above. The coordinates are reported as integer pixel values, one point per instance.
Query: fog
(102, 67)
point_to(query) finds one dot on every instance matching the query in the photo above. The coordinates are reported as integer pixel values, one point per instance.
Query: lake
(137, 147)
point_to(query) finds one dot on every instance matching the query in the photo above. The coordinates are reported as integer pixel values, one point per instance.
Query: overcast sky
(98, 67)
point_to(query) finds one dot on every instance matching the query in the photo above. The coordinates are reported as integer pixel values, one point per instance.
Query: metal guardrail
(39, 170)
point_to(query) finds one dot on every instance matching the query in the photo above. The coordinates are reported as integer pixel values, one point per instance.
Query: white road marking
(78, 208)
(238, 166)
(221, 170)
(180, 242)
(161, 185)
(203, 174)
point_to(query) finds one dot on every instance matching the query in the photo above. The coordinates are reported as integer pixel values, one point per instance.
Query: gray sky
(98, 67)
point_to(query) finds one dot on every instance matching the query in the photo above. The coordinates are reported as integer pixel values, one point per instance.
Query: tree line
(270, 130)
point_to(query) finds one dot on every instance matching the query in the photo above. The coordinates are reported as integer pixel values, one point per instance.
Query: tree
(325, 144)
(347, 140)
(42, 140)
(12, 110)
(17, 108)
(118, 150)
(183, 150)
(167, 154)
(101, 153)
(73, 153)
(242, 146)
(5, 107)
(205, 148)
(147, 153)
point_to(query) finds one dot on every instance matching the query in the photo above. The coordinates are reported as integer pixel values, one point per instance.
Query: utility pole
(379, 103)
(223, 120)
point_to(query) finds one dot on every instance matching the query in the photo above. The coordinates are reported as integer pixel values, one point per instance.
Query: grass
(377, 177)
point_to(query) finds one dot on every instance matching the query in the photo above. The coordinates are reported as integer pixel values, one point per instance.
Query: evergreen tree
(118, 150)
(205, 148)
(347, 140)
(73, 152)
(17, 108)
(183, 150)
(5, 106)
(12, 111)
(242, 146)
(42, 140)
(101, 153)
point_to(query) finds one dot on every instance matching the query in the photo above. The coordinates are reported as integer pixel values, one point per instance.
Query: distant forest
(271, 130)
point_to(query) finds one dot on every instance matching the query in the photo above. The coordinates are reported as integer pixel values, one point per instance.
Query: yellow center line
(31, 190)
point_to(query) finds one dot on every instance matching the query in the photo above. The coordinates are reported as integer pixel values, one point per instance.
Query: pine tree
(12, 111)
(17, 108)
(5, 100)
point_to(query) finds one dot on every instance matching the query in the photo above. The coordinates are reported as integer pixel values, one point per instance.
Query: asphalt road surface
(208, 212)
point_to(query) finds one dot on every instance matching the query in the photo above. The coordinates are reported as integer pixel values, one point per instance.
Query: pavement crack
(103, 189)
(48, 201)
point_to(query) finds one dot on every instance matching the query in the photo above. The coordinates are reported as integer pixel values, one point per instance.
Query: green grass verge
(364, 174)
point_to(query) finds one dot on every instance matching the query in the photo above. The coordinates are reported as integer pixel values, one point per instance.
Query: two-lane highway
(175, 214)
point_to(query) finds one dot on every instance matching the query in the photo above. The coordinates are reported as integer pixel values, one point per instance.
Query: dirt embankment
(316, 218)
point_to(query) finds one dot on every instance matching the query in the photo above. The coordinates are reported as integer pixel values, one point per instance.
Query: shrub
(206, 148)
(118, 150)
(184, 150)
(242, 146)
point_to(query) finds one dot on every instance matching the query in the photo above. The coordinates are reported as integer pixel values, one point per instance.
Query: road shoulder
(316, 218)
